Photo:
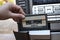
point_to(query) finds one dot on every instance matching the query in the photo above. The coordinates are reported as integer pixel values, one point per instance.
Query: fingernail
(23, 16)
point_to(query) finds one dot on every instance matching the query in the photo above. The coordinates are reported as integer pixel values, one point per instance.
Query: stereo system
(38, 7)
(41, 16)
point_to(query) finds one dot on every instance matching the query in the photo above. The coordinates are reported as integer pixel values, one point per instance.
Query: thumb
(15, 15)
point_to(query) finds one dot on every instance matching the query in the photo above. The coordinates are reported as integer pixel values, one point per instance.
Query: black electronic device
(36, 7)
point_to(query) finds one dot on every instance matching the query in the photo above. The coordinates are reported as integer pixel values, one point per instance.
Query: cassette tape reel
(34, 22)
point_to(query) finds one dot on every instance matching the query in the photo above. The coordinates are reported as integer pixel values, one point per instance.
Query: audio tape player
(49, 7)
(38, 7)
(38, 12)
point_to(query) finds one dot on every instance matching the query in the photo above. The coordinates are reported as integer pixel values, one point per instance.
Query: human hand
(10, 10)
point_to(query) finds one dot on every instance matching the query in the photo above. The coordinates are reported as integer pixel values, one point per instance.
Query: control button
(53, 18)
(23, 5)
(23, 2)
(49, 9)
(40, 10)
(35, 10)
(57, 9)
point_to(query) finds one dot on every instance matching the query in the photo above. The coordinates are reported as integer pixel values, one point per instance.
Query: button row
(54, 9)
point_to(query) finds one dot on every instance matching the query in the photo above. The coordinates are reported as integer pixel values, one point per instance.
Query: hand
(10, 10)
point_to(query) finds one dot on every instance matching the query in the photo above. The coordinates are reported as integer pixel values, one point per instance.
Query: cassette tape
(34, 22)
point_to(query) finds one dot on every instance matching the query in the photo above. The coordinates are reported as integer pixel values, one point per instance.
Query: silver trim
(53, 18)
(55, 33)
(31, 5)
(40, 32)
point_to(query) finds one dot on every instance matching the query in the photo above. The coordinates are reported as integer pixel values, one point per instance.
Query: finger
(19, 16)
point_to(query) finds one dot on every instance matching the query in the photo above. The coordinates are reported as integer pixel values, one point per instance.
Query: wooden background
(6, 29)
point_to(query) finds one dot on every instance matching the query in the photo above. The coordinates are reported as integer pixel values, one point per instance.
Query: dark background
(38, 2)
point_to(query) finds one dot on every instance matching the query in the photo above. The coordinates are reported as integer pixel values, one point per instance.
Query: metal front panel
(48, 9)
(55, 26)
(52, 10)
(53, 18)
(40, 35)
(55, 35)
